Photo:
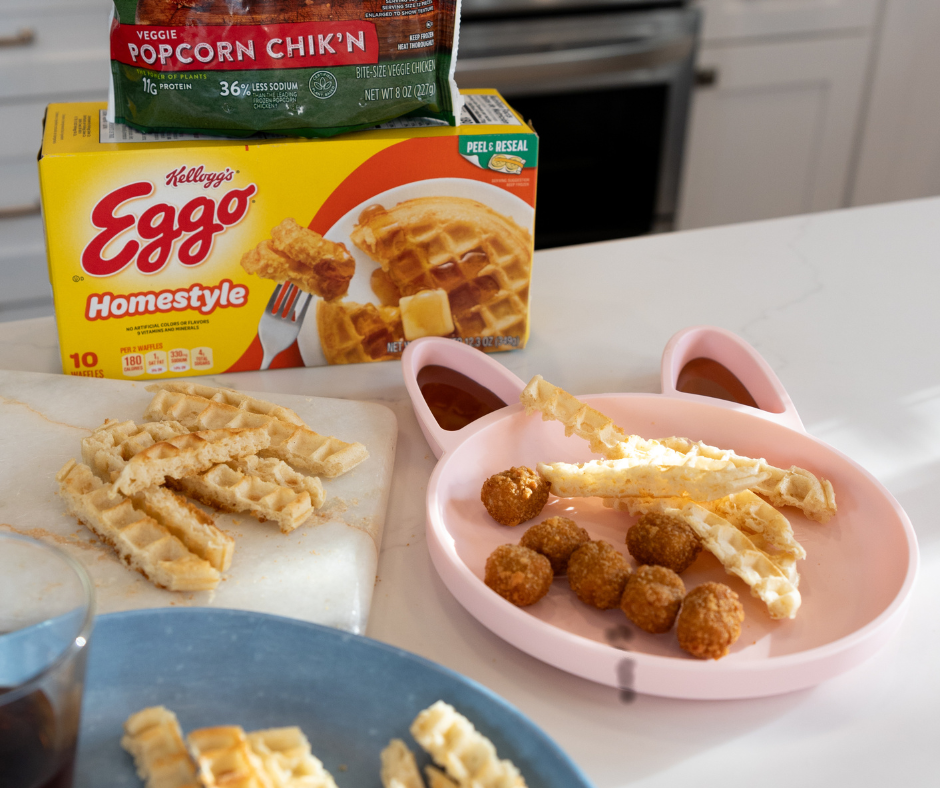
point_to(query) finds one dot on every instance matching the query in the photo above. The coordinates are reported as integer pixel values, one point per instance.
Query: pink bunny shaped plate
(855, 582)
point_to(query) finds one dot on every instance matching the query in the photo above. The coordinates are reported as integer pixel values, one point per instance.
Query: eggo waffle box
(172, 255)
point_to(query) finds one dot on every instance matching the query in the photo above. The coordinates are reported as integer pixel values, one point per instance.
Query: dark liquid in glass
(28, 756)
(707, 377)
(454, 399)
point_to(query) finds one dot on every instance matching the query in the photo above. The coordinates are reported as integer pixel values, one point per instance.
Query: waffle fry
(184, 455)
(351, 333)
(287, 759)
(107, 450)
(737, 553)
(229, 397)
(696, 477)
(468, 757)
(299, 446)
(230, 490)
(399, 769)
(188, 523)
(153, 737)
(481, 258)
(140, 541)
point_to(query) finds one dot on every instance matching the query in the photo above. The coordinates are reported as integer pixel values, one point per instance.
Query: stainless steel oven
(607, 85)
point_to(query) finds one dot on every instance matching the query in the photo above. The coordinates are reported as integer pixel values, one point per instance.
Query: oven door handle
(543, 67)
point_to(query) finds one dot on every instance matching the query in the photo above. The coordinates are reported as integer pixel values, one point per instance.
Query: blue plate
(349, 694)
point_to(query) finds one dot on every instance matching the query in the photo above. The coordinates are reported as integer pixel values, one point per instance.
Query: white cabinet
(774, 134)
(50, 50)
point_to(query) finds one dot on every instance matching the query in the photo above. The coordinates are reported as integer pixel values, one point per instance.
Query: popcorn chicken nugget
(514, 496)
(518, 574)
(652, 597)
(664, 541)
(597, 574)
(709, 621)
(556, 538)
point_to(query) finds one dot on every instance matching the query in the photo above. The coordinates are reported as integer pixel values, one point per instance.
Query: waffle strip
(737, 553)
(273, 758)
(184, 455)
(437, 778)
(271, 469)
(153, 737)
(226, 759)
(468, 757)
(794, 487)
(229, 397)
(556, 404)
(140, 541)
(188, 523)
(299, 446)
(231, 490)
(287, 759)
(697, 477)
(107, 450)
(769, 530)
(399, 769)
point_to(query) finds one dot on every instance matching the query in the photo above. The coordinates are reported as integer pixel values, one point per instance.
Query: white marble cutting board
(322, 572)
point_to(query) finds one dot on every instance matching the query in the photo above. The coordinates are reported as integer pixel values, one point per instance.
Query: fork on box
(281, 321)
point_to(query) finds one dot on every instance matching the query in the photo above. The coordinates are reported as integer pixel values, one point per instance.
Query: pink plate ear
(738, 357)
(473, 363)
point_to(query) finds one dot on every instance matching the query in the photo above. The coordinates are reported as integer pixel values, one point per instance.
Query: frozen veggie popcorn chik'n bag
(310, 68)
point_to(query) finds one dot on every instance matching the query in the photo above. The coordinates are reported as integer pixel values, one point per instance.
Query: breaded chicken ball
(514, 496)
(652, 598)
(556, 538)
(518, 574)
(709, 621)
(663, 541)
(597, 574)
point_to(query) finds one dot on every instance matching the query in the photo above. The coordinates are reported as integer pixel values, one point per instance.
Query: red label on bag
(245, 47)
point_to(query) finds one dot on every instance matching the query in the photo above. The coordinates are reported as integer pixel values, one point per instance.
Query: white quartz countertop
(844, 307)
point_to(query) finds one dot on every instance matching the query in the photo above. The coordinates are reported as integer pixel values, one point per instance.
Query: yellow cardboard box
(166, 251)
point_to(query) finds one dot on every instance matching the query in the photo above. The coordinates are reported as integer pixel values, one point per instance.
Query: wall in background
(899, 152)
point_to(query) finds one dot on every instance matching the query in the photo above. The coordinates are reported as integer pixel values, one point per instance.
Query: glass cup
(46, 617)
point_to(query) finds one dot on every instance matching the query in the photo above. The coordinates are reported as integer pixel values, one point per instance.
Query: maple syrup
(28, 744)
(454, 399)
(707, 377)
